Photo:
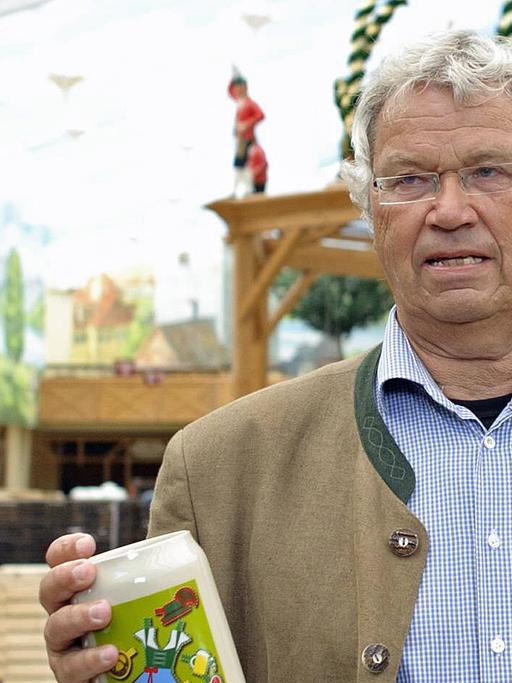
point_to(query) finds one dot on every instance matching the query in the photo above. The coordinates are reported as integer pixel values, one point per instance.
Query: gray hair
(467, 63)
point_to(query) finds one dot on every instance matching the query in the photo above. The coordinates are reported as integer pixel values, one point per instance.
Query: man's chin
(457, 307)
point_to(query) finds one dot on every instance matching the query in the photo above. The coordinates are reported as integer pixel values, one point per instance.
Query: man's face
(421, 245)
(239, 90)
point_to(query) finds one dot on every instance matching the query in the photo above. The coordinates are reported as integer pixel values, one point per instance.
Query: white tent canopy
(10, 6)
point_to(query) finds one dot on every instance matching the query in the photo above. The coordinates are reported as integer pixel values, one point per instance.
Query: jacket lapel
(389, 565)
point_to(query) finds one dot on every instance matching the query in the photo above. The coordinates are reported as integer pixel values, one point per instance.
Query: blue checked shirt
(461, 630)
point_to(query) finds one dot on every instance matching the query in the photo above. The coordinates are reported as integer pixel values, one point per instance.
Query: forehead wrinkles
(483, 110)
(436, 107)
(400, 100)
(431, 122)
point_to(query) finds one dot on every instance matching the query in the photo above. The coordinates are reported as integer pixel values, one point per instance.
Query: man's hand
(70, 573)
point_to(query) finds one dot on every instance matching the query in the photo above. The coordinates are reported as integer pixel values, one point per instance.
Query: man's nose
(452, 208)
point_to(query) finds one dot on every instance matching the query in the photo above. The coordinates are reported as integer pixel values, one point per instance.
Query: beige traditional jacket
(294, 492)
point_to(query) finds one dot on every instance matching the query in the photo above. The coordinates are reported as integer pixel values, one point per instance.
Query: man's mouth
(454, 261)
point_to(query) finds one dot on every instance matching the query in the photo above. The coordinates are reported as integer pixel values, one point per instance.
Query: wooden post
(292, 296)
(249, 340)
(303, 220)
(18, 452)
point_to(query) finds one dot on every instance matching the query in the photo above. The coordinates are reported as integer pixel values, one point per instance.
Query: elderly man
(358, 519)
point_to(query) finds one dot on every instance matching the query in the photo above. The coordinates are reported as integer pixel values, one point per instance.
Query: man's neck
(467, 360)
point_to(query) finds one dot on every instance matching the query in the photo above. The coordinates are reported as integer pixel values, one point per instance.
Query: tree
(140, 327)
(336, 304)
(14, 318)
(35, 316)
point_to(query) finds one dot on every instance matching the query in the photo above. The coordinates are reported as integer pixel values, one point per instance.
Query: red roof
(100, 304)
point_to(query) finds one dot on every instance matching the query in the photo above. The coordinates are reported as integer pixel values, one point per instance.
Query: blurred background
(119, 233)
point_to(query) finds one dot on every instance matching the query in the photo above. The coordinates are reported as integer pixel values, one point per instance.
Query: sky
(117, 172)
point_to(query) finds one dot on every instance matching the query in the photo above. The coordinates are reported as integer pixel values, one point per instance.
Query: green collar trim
(382, 451)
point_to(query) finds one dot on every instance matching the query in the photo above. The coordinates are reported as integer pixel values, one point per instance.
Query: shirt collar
(399, 361)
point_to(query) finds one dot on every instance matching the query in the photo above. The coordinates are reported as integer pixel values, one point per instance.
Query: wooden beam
(18, 457)
(336, 261)
(337, 232)
(291, 298)
(333, 218)
(249, 342)
(258, 213)
(355, 238)
(268, 272)
(316, 234)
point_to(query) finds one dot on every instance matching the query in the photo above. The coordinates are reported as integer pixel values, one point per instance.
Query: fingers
(64, 626)
(69, 663)
(70, 547)
(71, 573)
(79, 666)
(60, 584)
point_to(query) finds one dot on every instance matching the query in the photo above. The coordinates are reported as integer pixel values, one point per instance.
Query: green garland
(362, 40)
(370, 20)
(505, 25)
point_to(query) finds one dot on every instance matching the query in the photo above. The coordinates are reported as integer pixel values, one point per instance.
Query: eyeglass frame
(437, 182)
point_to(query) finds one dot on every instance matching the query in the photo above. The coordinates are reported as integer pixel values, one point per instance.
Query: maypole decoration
(505, 25)
(370, 20)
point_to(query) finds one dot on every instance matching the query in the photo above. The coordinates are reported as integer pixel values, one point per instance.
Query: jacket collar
(382, 451)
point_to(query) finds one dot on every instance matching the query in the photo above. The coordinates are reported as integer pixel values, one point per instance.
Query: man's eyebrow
(489, 155)
(402, 160)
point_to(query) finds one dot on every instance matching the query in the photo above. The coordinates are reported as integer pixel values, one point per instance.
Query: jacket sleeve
(171, 508)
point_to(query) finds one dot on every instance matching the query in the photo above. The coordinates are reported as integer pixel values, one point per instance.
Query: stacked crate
(22, 650)
(28, 527)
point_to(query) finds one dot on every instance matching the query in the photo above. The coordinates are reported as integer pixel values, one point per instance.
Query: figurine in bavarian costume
(161, 661)
(248, 115)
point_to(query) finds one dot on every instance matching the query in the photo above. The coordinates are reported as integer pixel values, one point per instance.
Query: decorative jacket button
(403, 542)
(375, 658)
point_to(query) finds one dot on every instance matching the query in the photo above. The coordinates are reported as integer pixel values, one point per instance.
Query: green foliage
(18, 381)
(14, 318)
(335, 304)
(35, 317)
(141, 325)
(18, 393)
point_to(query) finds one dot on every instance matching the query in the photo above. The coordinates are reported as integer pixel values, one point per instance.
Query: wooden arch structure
(312, 232)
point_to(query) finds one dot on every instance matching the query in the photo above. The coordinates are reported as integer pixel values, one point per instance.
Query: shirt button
(497, 645)
(489, 442)
(493, 540)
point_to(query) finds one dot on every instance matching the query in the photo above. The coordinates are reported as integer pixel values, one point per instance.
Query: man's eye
(411, 180)
(406, 183)
(487, 171)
